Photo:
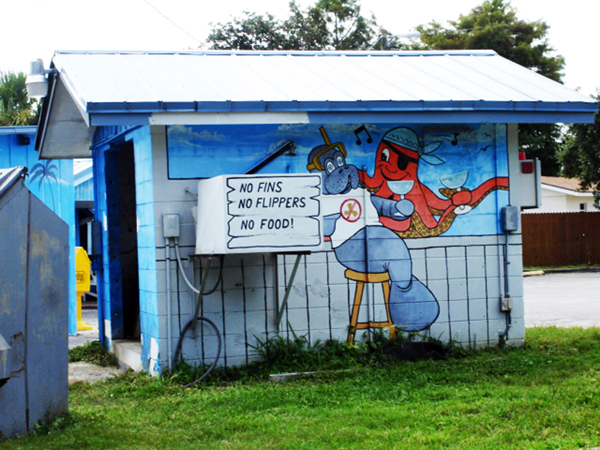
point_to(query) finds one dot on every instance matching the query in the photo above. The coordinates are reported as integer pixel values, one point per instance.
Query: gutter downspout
(45, 114)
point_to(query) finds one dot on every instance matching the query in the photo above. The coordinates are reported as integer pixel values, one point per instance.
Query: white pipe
(187, 281)
(367, 198)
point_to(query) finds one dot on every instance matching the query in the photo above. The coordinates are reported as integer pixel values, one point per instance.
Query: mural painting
(378, 189)
(363, 245)
(396, 177)
(44, 172)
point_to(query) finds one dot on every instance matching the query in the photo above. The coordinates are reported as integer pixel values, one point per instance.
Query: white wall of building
(466, 274)
(563, 200)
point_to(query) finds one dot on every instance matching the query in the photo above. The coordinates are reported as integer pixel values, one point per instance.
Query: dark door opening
(122, 237)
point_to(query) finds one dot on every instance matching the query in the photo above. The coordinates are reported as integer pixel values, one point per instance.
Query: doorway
(122, 242)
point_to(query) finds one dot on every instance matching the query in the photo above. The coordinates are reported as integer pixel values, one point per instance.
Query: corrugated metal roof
(82, 170)
(140, 88)
(290, 81)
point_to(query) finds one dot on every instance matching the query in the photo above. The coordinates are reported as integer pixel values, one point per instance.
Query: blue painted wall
(460, 264)
(52, 182)
(477, 152)
(144, 180)
(111, 139)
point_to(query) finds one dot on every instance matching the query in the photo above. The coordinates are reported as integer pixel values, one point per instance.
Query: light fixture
(37, 81)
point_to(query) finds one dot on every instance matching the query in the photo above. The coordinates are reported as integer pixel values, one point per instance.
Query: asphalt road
(562, 299)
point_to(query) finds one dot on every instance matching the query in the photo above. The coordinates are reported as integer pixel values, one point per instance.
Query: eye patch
(403, 158)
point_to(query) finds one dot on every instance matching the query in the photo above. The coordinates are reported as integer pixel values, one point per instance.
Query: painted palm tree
(45, 172)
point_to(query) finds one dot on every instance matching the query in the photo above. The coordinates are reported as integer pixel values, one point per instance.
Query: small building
(49, 180)
(327, 194)
(561, 194)
(83, 182)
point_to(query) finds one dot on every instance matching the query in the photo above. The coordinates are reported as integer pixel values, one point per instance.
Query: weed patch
(92, 352)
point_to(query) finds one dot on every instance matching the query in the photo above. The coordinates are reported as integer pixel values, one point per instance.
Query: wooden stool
(361, 279)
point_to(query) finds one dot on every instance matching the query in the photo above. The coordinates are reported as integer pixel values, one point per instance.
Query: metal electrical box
(510, 218)
(34, 294)
(259, 213)
(530, 192)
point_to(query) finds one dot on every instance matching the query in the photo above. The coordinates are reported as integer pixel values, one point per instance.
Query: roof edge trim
(334, 106)
(380, 53)
(567, 191)
(26, 129)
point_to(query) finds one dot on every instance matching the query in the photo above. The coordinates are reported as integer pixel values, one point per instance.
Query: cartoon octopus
(396, 177)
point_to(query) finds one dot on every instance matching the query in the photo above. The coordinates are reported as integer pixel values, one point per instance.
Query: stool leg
(386, 297)
(355, 309)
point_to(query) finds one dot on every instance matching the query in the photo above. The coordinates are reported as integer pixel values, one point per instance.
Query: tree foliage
(580, 154)
(494, 25)
(327, 25)
(16, 108)
(250, 32)
(339, 25)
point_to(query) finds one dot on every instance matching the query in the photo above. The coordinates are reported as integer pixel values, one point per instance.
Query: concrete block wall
(466, 275)
(467, 279)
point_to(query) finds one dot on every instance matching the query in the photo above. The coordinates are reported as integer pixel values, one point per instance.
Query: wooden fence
(560, 239)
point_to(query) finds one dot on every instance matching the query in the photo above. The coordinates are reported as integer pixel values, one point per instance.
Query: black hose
(180, 344)
(220, 277)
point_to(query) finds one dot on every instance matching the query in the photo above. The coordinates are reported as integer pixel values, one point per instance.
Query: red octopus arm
(486, 187)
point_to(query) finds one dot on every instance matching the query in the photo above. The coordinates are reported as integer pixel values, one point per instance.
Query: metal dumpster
(34, 291)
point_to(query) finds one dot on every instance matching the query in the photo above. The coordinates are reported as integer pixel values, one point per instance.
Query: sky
(33, 29)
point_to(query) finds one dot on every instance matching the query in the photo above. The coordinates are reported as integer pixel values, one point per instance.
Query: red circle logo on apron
(351, 210)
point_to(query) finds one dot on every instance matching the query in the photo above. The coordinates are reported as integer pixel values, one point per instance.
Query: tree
(339, 25)
(327, 25)
(252, 32)
(580, 154)
(494, 25)
(16, 108)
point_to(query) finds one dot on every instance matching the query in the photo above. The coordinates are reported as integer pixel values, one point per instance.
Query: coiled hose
(180, 344)
(192, 323)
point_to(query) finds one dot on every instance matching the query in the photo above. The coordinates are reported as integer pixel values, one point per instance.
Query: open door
(122, 242)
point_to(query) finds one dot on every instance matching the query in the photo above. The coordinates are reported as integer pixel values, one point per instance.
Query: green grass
(545, 395)
(92, 352)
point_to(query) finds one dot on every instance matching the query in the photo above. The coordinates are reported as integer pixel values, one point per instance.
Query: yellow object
(362, 278)
(82, 280)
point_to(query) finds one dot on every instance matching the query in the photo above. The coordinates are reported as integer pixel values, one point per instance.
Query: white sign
(279, 211)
